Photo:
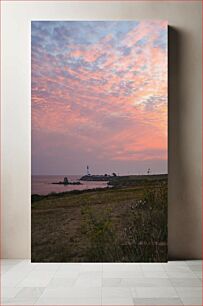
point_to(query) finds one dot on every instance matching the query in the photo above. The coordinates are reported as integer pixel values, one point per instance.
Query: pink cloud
(125, 117)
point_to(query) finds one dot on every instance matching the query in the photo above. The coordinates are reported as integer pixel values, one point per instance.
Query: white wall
(184, 110)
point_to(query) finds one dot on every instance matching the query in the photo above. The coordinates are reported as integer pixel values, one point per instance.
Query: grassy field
(124, 223)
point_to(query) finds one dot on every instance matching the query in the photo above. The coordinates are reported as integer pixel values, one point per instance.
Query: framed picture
(99, 141)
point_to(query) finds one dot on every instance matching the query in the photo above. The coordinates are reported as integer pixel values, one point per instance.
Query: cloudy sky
(99, 97)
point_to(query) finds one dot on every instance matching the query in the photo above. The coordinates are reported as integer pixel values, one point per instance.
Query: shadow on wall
(183, 212)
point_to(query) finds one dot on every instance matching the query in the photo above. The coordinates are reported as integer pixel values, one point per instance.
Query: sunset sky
(99, 97)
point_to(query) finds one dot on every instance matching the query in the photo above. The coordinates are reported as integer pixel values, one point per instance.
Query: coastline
(112, 182)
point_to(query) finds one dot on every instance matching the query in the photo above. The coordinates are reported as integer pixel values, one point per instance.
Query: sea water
(42, 184)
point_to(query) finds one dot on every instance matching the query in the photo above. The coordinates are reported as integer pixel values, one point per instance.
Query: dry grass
(102, 225)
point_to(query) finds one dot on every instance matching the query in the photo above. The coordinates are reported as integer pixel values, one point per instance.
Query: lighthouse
(88, 172)
(148, 171)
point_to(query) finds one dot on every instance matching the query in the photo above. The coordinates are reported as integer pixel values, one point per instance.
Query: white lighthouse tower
(88, 172)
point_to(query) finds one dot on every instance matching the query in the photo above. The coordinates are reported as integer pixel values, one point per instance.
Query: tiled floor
(174, 283)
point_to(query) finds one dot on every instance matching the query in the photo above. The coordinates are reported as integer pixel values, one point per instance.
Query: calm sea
(42, 184)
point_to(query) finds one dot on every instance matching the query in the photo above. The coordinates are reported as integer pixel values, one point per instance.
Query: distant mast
(88, 172)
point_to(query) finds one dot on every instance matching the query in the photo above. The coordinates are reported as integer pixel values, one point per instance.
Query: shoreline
(118, 182)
